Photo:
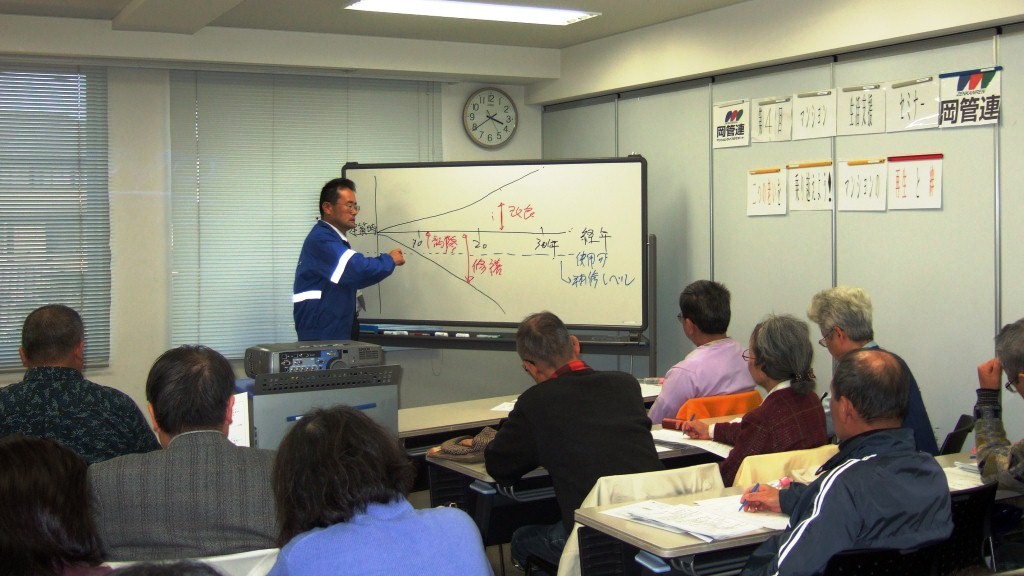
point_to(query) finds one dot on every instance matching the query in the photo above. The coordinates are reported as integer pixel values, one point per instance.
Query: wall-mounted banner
(810, 186)
(766, 192)
(731, 124)
(912, 104)
(814, 115)
(773, 120)
(915, 182)
(861, 110)
(970, 98)
(861, 185)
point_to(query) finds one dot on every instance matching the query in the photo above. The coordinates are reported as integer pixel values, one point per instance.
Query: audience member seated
(843, 314)
(340, 484)
(878, 492)
(791, 416)
(199, 496)
(997, 459)
(578, 423)
(714, 368)
(54, 400)
(46, 528)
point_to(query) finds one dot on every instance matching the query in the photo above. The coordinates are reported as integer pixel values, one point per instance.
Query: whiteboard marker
(461, 335)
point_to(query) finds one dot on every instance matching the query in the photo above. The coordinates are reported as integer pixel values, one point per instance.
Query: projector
(310, 356)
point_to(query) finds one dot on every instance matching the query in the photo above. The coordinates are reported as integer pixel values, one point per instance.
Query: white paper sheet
(700, 522)
(238, 431)
(505, 406)
(729, 507)
(648, 390)
(677, 438)
(960, 478)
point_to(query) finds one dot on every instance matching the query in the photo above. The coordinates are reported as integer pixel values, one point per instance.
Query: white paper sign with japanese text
(915, 182)
(773, 120)
(912, 104)
(814, 115)
(970, 98)
(809, 186)
(862, 185)
(861, 110)
(732, 123)
(766, 192)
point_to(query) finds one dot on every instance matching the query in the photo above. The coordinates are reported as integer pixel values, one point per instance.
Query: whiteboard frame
(635, 328)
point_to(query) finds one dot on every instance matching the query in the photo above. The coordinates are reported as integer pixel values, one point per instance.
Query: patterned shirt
(998, 460)
(97, 422)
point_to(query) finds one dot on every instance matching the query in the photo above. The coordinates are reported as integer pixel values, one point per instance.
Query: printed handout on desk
(729, 507)
(505, 406)
(961, 476)
(677, 439)
(649, 390)
(699, 522)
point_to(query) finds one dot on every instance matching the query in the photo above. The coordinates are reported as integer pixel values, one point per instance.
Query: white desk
(682, 551)
(497, 509)
(469, 415)
(451, 417)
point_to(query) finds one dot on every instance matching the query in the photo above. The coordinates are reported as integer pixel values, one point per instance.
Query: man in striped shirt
(877, 492)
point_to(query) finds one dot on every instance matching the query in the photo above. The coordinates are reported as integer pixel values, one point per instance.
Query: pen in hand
(743, 503)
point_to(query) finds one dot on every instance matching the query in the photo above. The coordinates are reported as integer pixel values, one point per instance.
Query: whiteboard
(490, 243)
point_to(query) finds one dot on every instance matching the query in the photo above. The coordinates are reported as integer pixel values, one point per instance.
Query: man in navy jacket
(843, 314)
(330, 272)
(877, 492)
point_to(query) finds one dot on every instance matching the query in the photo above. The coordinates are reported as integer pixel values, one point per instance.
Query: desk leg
(448, 488)
(604, 555)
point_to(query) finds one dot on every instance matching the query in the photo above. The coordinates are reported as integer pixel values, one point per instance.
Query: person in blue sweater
(843, 314)
(340, 483)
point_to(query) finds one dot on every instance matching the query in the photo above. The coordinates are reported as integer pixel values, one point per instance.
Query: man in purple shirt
(716, 367)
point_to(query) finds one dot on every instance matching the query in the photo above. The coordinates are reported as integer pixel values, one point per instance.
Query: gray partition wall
(1011, 53)
(942, 281)
(929, 272)
(652, 123)
(771, 264)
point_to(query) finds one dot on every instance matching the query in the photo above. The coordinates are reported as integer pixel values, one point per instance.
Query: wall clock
(490, 118)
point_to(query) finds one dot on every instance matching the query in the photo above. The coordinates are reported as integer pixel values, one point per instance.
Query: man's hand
(766, 499)
(989, 374)
(696, 429)
(397, 256)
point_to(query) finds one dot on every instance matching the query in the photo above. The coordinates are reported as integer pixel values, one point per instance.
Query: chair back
(954, 441)
(882, 562)
(725, 405)
(632, 487)
(800, 465)
(972, 509)
(251, 563)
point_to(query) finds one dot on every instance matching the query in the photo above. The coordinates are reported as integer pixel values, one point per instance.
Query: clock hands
(492, 117)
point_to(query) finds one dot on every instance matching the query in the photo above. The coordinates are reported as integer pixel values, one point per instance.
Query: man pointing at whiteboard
(330, 272)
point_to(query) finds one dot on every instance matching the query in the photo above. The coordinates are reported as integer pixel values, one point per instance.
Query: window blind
(250, 153)
(54, 202)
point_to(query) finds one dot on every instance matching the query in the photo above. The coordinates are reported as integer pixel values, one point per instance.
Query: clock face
(490, 118)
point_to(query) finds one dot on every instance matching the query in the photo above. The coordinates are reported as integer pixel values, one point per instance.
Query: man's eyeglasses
(351, 206)
(1011, 385)
(679, 317)
(747, 355)
(828, 335)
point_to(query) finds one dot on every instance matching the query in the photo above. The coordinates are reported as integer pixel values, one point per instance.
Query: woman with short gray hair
(791, 416)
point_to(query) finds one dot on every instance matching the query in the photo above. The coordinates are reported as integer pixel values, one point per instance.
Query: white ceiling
(329, 17)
